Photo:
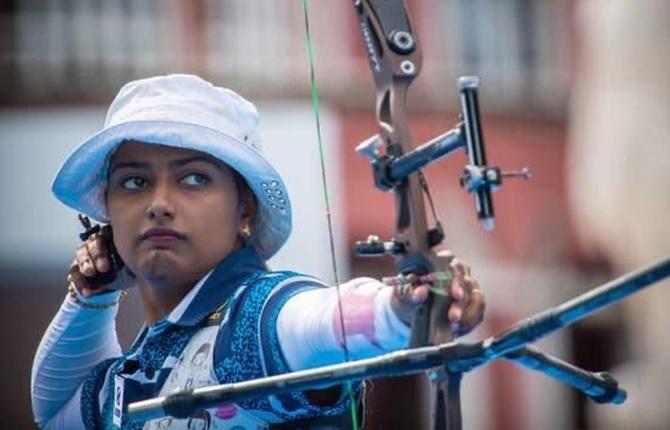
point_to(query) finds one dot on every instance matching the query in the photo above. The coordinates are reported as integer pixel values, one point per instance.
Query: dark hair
(245, 195)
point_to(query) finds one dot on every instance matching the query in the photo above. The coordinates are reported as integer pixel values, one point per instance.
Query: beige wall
(620, 180)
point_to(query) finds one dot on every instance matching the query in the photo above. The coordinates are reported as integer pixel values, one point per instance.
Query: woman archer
(196, 210)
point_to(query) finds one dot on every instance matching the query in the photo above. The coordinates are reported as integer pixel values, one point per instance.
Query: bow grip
(474, 140)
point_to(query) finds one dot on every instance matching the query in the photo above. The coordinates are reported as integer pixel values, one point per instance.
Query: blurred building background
(577, 90)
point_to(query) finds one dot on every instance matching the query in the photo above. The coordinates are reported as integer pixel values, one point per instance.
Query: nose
(161, 206)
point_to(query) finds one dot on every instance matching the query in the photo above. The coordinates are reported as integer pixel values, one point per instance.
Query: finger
(468, 269)
(459, 268)
(461, 291)
(473, 314)
(456, 290)
(460, 288)
(405, 301)
(97, 250)
(79, 281)
(420, 294)
(84, 261)
(455, 313)
(413, 295)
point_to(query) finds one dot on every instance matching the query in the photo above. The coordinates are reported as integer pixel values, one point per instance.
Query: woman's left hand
(466, 307)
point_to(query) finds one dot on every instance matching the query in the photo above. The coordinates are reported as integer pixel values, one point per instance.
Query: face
(175, 212)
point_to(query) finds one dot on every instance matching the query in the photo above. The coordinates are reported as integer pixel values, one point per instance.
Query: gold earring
(245, 231)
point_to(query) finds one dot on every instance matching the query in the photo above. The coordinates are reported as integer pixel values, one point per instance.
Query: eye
(133, 183)
(195, 179)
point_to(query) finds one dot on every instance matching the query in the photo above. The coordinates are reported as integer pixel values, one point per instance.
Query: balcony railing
(83, 50)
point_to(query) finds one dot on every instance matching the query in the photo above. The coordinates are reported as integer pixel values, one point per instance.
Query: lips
(161, 236)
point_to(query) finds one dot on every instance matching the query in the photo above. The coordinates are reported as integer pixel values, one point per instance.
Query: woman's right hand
(91, 259)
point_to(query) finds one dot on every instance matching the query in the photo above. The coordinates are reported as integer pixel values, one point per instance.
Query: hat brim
(82, 180)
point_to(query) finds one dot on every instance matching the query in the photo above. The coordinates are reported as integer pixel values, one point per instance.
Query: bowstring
(316, 109)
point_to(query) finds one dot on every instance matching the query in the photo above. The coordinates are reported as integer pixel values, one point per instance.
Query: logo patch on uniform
(118, 401)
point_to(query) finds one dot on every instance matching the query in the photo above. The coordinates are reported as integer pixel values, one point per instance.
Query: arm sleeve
(77, 339)
(309, 324)
(69, 416)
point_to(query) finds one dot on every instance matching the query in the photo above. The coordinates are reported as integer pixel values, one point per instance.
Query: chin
(158, 264)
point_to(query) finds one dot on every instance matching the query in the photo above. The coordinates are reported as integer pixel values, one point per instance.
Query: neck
(159, 299)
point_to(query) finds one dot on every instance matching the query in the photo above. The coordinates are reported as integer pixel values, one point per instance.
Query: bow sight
(478, 178)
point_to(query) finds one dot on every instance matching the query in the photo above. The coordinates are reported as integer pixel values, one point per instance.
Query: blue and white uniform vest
(227, 334)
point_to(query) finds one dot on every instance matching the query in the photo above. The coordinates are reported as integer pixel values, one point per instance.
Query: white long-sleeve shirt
(308, 329)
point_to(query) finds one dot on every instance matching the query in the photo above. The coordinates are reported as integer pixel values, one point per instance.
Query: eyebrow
(175, 163)
(128, 164)
(195, 158)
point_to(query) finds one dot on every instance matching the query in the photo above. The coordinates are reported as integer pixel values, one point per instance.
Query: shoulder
(283, 285)
(251, 319)
(257, 305)
(248, 346)
(271, 289)
(249, 326)
(277, 280)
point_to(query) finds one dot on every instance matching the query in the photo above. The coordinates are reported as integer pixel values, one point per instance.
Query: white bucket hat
(182, 111)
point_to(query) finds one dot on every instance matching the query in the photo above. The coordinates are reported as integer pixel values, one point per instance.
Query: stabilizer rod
(458, 357)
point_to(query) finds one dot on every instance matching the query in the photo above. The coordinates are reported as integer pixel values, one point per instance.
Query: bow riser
(394, 56)
(395, 60)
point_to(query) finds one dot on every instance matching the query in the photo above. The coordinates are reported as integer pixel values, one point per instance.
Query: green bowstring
(317, 116)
